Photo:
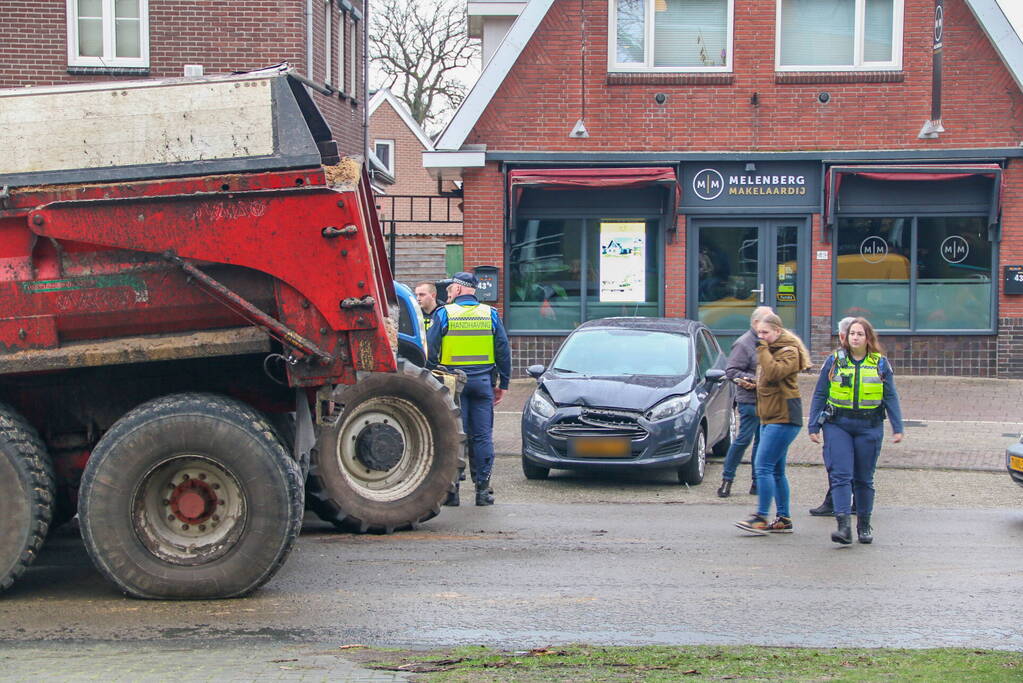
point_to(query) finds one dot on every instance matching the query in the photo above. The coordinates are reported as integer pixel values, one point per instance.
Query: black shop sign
(758, 186)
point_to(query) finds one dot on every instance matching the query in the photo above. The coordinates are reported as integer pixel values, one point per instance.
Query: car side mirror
(535, 371)
(715, 375)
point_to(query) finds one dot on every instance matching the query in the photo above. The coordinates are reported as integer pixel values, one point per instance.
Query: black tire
(720, 449)
(534, 472)
(233, 505)
(692, 472)
(26, 495)
(392, 458)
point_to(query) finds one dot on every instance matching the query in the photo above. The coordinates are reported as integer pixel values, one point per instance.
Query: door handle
(760, 292)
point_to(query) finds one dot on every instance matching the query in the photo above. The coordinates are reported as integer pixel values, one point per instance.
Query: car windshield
(613, 353)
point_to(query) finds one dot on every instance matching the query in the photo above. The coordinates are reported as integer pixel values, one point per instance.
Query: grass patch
(659, 663)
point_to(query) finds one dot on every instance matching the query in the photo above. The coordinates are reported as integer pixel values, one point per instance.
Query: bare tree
(417, 48)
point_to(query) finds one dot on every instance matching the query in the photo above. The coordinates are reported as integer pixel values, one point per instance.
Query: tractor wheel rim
(384, 449)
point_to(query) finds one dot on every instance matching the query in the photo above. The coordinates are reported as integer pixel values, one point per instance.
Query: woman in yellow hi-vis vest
(469, 336)
(854, 393)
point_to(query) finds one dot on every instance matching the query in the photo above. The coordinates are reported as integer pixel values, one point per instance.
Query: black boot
(484, 494)
(863, 530)
(825, 509)
(753, 488)
(843, 534)
(452, 499)
(725, 489)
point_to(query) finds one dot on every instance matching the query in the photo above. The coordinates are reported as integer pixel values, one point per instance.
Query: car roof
(676, 325)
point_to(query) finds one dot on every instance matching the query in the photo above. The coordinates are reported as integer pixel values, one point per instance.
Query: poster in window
(623, 262)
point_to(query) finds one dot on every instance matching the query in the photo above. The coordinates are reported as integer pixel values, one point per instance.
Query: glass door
(737, 265)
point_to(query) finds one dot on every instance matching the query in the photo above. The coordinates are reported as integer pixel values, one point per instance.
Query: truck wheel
(393, 456)
(190, 496)
(26, 495)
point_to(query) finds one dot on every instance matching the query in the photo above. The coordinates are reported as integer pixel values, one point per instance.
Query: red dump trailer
(196, 312)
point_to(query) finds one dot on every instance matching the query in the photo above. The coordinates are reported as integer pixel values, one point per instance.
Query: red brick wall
(563, 71)
(222, 35)
(542, 96)
(409, 175)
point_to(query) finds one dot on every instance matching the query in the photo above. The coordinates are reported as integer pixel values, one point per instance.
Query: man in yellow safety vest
(468, 336)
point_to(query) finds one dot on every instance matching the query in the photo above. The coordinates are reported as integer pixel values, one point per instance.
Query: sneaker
(781, 525)
(755, 524)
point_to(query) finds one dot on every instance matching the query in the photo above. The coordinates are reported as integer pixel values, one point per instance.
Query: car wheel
(722, 446)
(692, 472)
(534, 471)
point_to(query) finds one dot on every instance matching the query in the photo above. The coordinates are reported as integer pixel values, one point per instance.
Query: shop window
(108, 33)
(566, 271)
(834, 35)
(923, 274)
(671, 35)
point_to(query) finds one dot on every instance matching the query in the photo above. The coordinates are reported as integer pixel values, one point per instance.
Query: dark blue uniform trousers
(477, 404)
(851, 448)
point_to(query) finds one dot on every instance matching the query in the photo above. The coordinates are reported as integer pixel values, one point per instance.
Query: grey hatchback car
(630, 393)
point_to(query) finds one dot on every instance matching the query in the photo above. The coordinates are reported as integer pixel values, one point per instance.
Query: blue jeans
(772, 484)
(749, 431)
(477, 403)
(851, 448)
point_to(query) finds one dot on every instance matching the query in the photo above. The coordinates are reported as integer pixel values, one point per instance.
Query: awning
(582, 178)
(911, 173)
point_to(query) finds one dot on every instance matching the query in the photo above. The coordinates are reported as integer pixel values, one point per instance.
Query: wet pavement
(628, 559)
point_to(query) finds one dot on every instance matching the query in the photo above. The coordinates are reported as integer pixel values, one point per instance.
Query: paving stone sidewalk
(951, 423)
(158, 662)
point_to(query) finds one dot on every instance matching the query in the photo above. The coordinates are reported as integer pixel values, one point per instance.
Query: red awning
(911, 173)
(575, 178)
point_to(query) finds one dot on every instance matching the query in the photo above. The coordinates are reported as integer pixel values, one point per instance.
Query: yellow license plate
(1016, 463)
(600, 448)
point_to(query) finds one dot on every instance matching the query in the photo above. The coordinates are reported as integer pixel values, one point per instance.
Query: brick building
(424, 213)
(48, 42)
(699, 157)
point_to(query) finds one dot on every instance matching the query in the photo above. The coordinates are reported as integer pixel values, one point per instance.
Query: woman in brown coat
(781, 355)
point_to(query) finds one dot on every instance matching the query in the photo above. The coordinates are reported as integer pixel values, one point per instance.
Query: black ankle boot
(753, 488)
(452, 499)
(825, 509)
(725, 489)
(863, 530)
(843, 534)
(484, 494)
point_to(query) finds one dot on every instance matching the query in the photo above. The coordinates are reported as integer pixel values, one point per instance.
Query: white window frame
(858, 64)
(612, 45)
(353, 49)
(342, 25)
(390, 157)
(73, 58)
(328, 41)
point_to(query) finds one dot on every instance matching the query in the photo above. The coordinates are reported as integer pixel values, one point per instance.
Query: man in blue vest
(468, 336)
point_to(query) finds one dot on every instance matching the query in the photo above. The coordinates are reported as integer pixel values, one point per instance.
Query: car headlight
(541, 405)
(669, 407)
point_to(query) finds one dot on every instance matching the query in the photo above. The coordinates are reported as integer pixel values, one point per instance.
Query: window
(353, 51)
(564, 271)
(384, 149)
(916, 274)
(341, 57)
(670, 35)
(108, 33)
(328, 41)
(839, 35)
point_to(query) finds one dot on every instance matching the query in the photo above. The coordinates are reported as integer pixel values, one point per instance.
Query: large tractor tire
(392, 458)
(190, 496)
(26, 495)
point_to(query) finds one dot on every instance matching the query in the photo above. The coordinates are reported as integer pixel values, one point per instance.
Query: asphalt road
(592, 559)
